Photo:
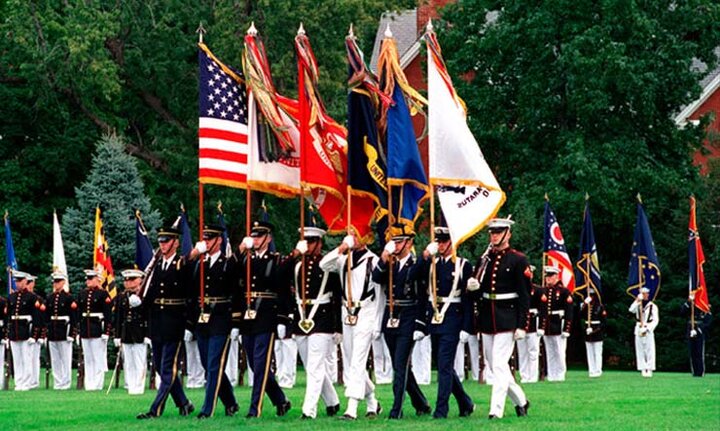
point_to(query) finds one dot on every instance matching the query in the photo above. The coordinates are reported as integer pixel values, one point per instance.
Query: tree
(113, 183)
(568, 97)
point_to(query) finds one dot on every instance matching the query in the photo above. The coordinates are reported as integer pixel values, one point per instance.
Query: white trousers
(382, 362)
(22, 354)
(95, 359)
(286, 352)
(356, 344)
(473, 346)
(331, 362)
(594, 357)
(498, 348)
(231, 365)
(528, 353)
(195, 370)
(645, 351)
(135, 366)
(2, 365)
(314, 350)
(555, 346)
(61, 363)
(421, 360)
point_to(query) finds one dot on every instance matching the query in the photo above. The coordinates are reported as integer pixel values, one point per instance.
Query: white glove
(588, 300)
(643, 331)
(375, 335)
(42, 341)
(104, 337)
(116, 342)
(77, 340)
(390, 247)
(70, 339)
(589, 331)
(432, 248)
(691, 297)
(519, 334)
(337, 338)
(281, 331)
(540, 332)
(201, 247)
(639, 297)
(565, 335)
(234, 334)
(473, 284)
(464, 337)
(693, 333)
(349, 241)
(418, 335)
(4, 342)
(31, 340)
(302, 246)
(248, 242)
(147, 341)
(188, 336)
(134, 301)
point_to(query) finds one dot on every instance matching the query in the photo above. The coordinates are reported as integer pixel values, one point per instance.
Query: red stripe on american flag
(223, 134)
(222, 175)
(228, 156)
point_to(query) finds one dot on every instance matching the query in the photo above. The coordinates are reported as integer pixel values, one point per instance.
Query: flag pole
(697, 278)
(587, 267)
(348, 284)
(201, 223)
(248, 216)
(304, 131)
(641, 279)
(433, 268)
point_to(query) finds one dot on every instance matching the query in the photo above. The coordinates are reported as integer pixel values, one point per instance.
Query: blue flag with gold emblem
(11, 262)
(644, 265)
(143, 246)
(587, 267)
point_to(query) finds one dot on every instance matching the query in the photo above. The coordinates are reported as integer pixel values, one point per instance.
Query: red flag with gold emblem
(101, 257)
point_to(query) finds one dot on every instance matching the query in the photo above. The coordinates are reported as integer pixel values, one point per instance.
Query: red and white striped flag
(223, 129)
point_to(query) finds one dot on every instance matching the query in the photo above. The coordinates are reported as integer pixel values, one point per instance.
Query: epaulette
(517, 252)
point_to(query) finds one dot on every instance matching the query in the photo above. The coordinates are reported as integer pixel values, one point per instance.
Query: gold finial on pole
(200, 31)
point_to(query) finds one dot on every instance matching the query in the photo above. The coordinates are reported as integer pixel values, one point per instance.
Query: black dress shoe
(492, 417)
(468, 412)
(522, 410)
(423, 411)
(347, 417)
(332, 410)
(146, 415)
(395, 415)
(283, 408)
(376, 413)
(305, 417)
(232, 410)
(186, 409)
(202, 416)
(250, 416)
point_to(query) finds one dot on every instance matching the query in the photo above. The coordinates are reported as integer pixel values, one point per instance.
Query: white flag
(468, 192)
(59, 264)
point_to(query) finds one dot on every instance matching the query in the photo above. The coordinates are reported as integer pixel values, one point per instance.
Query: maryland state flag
(555, 251)
(367, 183)
(143, 246)
(323, 170)
(101, 257)
(696, 280)
(587, 267)
(406, 176)
(644, 265)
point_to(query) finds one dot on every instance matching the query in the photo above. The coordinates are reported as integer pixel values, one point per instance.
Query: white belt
(558, 312)
(2, 323)
(594, 322)
(61, 318)
(499, 296)
(447, 299)
(533, 311)
(98, 315)
(22, 317)
(320, 300)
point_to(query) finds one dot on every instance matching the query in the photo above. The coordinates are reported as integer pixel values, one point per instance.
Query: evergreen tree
(114, 184)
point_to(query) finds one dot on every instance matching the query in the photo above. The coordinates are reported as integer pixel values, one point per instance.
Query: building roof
(403, 26)
(709, 84)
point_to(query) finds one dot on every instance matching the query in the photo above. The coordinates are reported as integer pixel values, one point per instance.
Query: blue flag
(405, 171)
(644, 265)
(587, 267)
(10, 256)
(143, 246)
(186, 245)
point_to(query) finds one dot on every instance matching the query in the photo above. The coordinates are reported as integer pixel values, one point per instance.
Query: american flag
(555, 250)
(223, 130)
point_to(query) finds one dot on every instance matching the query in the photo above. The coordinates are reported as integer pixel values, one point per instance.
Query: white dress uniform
(231, 367)
(421, 360)
(473, 347)
(195, 370)
(286, 352)
(368, 306)
(382, 362)
(645, 340)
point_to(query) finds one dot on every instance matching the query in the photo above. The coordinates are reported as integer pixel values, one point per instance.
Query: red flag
(101, 257)
(323, 170)
(697, 259)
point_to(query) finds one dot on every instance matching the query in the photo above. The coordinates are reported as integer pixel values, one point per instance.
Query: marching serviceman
(647, 317)
(317, 319)
(23, 311)
(382, 363)
(286, 352)
(404, 323)
(529, 347)
(448, 314)
(469, 339)
(502, 287)
(594, 331)
(267, 312)
(555, 323)
(215, 317)
(95, 328)
(41, 327)
(131, 333)
(362, 312)
(165, 298)
(193, 366)
(61, 330)
(697, 329)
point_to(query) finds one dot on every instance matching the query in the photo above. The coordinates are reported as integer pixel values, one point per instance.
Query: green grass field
(616, 401)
